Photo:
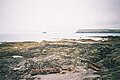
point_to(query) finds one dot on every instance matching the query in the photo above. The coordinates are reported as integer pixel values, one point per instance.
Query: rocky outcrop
(22, 61)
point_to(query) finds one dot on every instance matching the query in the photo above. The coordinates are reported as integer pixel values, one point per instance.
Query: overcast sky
(58, 15)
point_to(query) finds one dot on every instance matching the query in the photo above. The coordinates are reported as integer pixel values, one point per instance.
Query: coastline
(77, 58)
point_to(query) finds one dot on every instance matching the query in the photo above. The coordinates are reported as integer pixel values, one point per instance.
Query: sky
(58, 15)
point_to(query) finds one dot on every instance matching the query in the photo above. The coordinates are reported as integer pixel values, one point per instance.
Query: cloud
(56, 15)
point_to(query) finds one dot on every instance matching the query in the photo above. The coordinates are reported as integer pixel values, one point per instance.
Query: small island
(44, 32)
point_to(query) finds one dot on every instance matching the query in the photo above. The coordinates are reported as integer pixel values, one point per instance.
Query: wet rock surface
(67, 59)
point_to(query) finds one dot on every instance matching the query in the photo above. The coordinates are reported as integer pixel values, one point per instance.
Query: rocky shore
(66, 59)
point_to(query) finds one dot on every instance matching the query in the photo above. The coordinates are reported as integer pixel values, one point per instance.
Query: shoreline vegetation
(66, 59)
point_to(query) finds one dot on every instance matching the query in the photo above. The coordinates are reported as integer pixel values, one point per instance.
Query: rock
(92, 77)
(46, 71)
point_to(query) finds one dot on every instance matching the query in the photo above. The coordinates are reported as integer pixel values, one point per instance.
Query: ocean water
(19, 37)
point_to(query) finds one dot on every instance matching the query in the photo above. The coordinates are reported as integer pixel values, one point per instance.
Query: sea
(34, 36)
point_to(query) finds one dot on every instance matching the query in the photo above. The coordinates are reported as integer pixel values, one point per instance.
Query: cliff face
(98, 31)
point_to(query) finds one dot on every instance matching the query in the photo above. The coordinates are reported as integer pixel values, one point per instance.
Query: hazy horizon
(58, 15)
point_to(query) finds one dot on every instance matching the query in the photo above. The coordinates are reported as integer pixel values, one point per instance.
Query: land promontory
(98, 31)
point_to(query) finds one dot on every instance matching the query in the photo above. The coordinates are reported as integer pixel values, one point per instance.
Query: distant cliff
(98, 31)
